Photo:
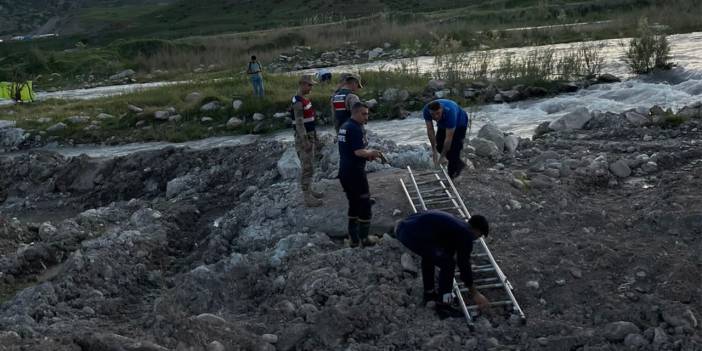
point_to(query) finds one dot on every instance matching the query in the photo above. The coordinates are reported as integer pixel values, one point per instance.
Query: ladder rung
(485, 270)
(492, 304)
(428, 181)
(485, 280)
(439, 201)
(485, 266)
(426, 173)
(490, 286)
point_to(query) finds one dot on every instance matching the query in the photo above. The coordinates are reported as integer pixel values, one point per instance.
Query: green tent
(21, 92)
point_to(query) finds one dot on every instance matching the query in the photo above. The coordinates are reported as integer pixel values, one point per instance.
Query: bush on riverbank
(649, 51)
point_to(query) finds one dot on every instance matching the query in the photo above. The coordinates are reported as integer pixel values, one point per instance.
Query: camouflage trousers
(306, 156)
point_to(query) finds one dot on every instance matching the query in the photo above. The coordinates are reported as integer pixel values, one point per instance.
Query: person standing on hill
(255, 71)
(353, 154)
(306, 138)
(447, 142)
(344, 98)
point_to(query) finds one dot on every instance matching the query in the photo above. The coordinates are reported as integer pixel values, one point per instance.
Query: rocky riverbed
(596, 223)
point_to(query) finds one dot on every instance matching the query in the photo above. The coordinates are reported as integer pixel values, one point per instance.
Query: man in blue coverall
(444, 241)
(353, 154)
(447, 141)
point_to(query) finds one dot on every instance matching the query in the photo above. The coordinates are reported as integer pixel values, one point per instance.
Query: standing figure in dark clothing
(353, 154)
(444, 241)
(447, 141)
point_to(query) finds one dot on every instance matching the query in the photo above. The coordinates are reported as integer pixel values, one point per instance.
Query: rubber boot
(353, 232)
(363, 230)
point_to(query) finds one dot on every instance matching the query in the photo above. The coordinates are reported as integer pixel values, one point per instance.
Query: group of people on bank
(441, 239)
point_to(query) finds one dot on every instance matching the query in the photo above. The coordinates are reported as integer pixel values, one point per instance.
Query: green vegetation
(279, 89)
(185, 40)
(649, 51)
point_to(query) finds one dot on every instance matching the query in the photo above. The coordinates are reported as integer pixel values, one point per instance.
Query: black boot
(363, 230)
(430, 296)
(445, 310)
(353, 232)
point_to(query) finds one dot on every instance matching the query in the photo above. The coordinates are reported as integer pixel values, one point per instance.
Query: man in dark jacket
(444, 241)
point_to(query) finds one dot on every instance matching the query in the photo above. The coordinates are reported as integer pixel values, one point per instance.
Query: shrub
(649, 51)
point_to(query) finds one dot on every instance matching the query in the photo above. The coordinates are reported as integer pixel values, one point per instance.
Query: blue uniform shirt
(352, 137)
(427, 231)
(452, 117)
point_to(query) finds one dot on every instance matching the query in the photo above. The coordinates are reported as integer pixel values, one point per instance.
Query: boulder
(77, 119)
(510, 95)
(617, 331)
(134, 109)
(620, 169)
(542, 129)
(234, 123)
(11, 137)
(124, 74)
(175, 118)
(636, 119)
(608, 78)
(279, 115)
(289, 164)
(210, 106)
(442, 93)
(372, 103)
(57, 127)
(485, 148)
(395, 95)
(375, 53)
(408, 263)
(206, 119)
(690, 112)
(574, 120)
(535, 92)
(162, 115)
(104, 116)
(437, 84)
(494, 134)
(236, 104)
(511, 143)
(258, 117)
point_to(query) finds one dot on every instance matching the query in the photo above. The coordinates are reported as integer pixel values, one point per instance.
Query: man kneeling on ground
(443, 240)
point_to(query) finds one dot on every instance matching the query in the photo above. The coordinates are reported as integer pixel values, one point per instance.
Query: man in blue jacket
(447, 141)
(444, 241)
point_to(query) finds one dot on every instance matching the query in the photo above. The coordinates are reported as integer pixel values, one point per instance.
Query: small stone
(620, 169)
(659, 336)
(408, 264)
(206, 119)
(641, 274)
(135, 109)
(236, 104)
(532, 284)
(635, 341)
(396, 212)
(647, 138)
(175, 118)
(58, 127)
(216, 346)
(617, 331)
(542, 341)
(270, 338)
(577, 273)
(258, 117)
(210, 318)
(234, 123)
(514, 204)
(560, 282)
(193, 97)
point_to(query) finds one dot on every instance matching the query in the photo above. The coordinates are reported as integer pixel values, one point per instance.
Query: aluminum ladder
(434, 190)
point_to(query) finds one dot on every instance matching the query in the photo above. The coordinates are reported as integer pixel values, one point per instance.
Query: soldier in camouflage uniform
(306, 138)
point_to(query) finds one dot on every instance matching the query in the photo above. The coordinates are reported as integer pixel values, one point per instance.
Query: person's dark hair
(357, 106)
(480, 224)
(253, 57)
(434, 106)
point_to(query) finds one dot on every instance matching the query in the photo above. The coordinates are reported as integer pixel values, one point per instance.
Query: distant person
(306, 139)
(353, 154)
(255, 71)
(344, 98)
(447, 142)
(444, 241)
(324, 76)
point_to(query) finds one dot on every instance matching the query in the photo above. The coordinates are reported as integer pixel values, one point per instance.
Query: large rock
(620, 169)
(236, 104)
(690, 112)
(511, 143)
(11, 137)
(485, 148)
(395, 95)
(617, 331)
(104, 116)
(574, 120)
(510, 95)
(375, 53)
(57, 127)
(210, 106)
(259, 117)
(636, 119)
(494, 134)
(608, 78)
(77, 119)
(541, 130)
(124, 74)
(437, 84)
(289, 164)
(234, 123)
(162, 115)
